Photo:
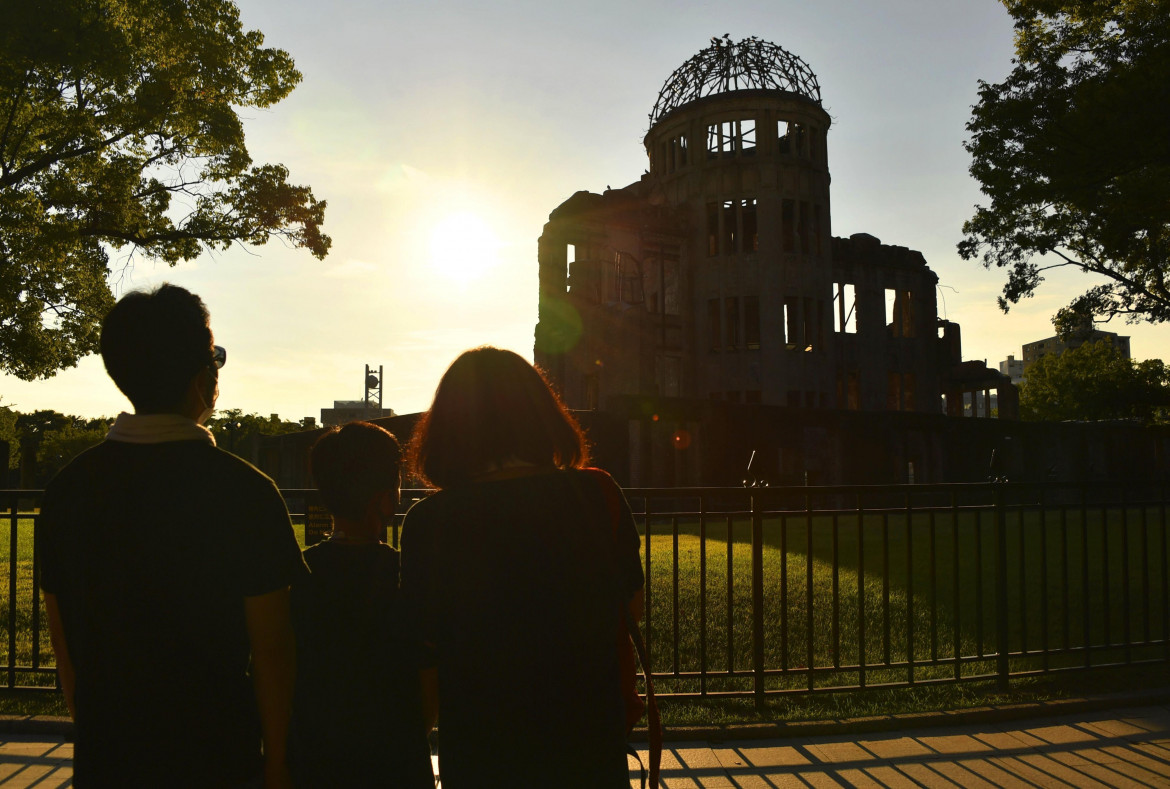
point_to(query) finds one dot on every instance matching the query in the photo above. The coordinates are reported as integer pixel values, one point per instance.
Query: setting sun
(463, 246)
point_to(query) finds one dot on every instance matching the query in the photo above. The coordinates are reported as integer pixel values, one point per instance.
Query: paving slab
(1128, 748)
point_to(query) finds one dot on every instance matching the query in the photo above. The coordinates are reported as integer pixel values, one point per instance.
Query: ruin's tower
(737, 143)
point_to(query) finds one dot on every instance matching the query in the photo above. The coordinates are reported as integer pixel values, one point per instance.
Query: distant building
(1013, 368)
(344, 411)
(1033, 351)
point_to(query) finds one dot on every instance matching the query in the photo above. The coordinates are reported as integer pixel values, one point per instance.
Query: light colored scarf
(157, 428)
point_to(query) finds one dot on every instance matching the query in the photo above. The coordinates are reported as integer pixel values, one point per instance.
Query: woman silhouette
(516, 570)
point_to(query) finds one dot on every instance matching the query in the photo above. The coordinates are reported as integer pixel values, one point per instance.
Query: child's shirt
(357, 712)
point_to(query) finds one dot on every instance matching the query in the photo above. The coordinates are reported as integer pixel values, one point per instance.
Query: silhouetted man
(166, 565)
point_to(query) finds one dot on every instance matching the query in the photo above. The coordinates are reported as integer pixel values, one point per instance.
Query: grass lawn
(916, 597)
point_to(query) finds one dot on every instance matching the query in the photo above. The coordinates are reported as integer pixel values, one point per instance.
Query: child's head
(353, 465)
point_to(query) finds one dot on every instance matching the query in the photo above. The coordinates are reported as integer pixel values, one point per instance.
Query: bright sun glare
(463, 246)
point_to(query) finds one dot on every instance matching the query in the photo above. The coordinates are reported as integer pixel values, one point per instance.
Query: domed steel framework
(726, 65)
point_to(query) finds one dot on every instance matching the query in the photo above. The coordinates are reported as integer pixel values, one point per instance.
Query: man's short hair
(354, 463)
(153, 343)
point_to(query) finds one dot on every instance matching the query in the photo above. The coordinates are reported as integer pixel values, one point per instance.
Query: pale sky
(443, 134)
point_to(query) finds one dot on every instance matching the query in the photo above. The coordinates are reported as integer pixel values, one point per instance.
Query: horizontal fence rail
(759, 592)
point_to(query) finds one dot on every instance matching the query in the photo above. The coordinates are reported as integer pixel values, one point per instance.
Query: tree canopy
(119, 131)
(1095, 381)
(1073, 150)
(234, 430)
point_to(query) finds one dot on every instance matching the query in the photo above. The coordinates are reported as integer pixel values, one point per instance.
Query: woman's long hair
(491, 408)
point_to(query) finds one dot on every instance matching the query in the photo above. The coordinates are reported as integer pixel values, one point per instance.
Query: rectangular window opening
(810, 329)
(714, 324)
(899, 313)
(787, 225)
(570, 261)
(751, 322)
(845, 309)
(893, 391)
(712, 229)
(803, 227)
(729, 231)
(747, 136)
(816, 229)
(891, 298)
(670, 284)
(721, 139)
(668, 375)
(905, 313)
(751, 230)
(731, 322)
(792, 338)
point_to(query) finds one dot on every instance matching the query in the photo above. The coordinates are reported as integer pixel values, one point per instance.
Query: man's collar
(157, 429)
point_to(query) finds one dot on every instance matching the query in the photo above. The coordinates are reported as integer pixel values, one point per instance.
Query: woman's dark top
(518, 584)
(357, 712)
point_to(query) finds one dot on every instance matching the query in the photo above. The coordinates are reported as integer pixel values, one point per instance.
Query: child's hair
(354, 463)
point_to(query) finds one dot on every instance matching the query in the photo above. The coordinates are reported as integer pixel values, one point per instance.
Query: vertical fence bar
(956, 586)
(1145, 511)
(932, 524)
(979, 646)
(730, 596)
(1165, 584)
(1126, 611)
(1086, 624)
(886, 587)
(1001, 597)
(1106, 614)
(861, 592)
(13, 546)
(674, 592)
(783, 592)
(836, 637)
(758, 601)
(36, 604)
(649, 595)
(702, 596)
(1064, 571)
(1043, 581)
(909, 591)
(808, 582)
(1022, 602)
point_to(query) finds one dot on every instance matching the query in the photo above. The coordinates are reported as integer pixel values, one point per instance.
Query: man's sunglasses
(219, 356)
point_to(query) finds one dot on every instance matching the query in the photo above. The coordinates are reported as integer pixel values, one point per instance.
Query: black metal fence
(756, 592)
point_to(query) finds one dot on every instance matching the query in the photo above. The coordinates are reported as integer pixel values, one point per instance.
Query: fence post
(1001, 596)
(757, 601)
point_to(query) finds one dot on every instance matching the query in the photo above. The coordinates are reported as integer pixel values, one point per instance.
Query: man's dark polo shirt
(151, 550)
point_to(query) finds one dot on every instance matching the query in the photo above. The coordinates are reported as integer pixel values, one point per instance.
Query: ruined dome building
(716, 276)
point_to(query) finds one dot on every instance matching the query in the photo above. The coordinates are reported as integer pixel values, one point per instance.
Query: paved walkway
(1115, 748)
